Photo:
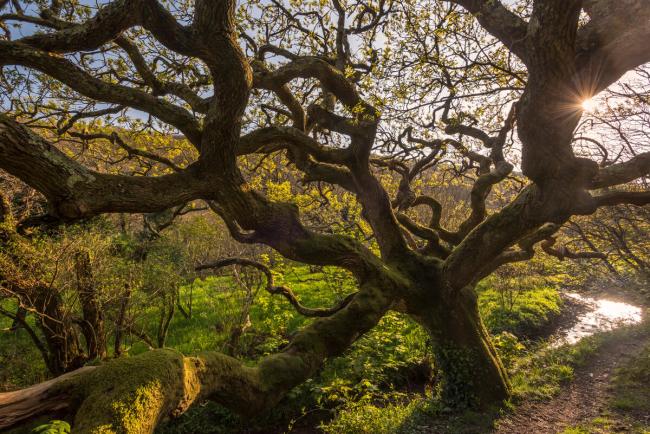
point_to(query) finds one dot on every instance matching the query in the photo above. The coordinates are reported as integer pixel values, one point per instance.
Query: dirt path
(580, 401)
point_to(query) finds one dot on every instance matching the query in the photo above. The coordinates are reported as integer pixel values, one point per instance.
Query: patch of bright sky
(24, 29)
(592, 107)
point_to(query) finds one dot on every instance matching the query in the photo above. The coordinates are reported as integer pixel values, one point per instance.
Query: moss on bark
(133, 394)
(472, 373)
(130, 395)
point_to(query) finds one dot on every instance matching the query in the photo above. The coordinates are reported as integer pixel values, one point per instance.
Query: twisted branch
(273, 289)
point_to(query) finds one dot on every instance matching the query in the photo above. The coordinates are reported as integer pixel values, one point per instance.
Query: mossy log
(133, 394)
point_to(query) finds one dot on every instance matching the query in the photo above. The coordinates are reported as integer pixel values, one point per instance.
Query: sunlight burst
(589, 105)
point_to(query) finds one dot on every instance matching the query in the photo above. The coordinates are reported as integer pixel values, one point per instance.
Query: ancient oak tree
(350, 94)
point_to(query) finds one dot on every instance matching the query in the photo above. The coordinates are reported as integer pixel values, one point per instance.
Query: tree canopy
(353, 95)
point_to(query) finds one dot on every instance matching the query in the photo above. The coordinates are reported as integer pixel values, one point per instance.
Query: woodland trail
(580, 401)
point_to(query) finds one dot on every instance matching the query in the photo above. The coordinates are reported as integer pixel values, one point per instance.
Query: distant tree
(346, 92)
(26, 280)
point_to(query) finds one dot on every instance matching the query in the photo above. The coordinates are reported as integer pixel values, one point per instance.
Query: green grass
(374, 368)
(609, 424)
(368, 418)
(415, 416)
(217, 308)
(631, 385)
(367, 390)
(629, 404)
(524, 313)
(606, 425)
(24, 363)
(542, 370)
(540, 373)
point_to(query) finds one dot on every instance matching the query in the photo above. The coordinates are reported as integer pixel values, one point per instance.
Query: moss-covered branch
(133, 394)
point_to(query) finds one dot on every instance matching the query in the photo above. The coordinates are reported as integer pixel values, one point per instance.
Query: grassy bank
(376, 387)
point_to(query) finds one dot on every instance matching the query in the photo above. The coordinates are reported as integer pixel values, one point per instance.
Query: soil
(584, 399)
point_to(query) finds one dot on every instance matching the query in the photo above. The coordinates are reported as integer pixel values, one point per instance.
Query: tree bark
(92, 325)
(21, 315)
(133, 394)
(60, 335)
(472, 374)
(121, 318)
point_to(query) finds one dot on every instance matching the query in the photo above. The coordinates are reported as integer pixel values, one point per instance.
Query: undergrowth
(378, 385)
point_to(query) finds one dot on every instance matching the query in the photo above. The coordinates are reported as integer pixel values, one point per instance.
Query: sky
(28, 29)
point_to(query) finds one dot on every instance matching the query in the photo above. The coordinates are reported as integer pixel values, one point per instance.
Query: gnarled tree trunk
(566, 62)
(471, 372)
